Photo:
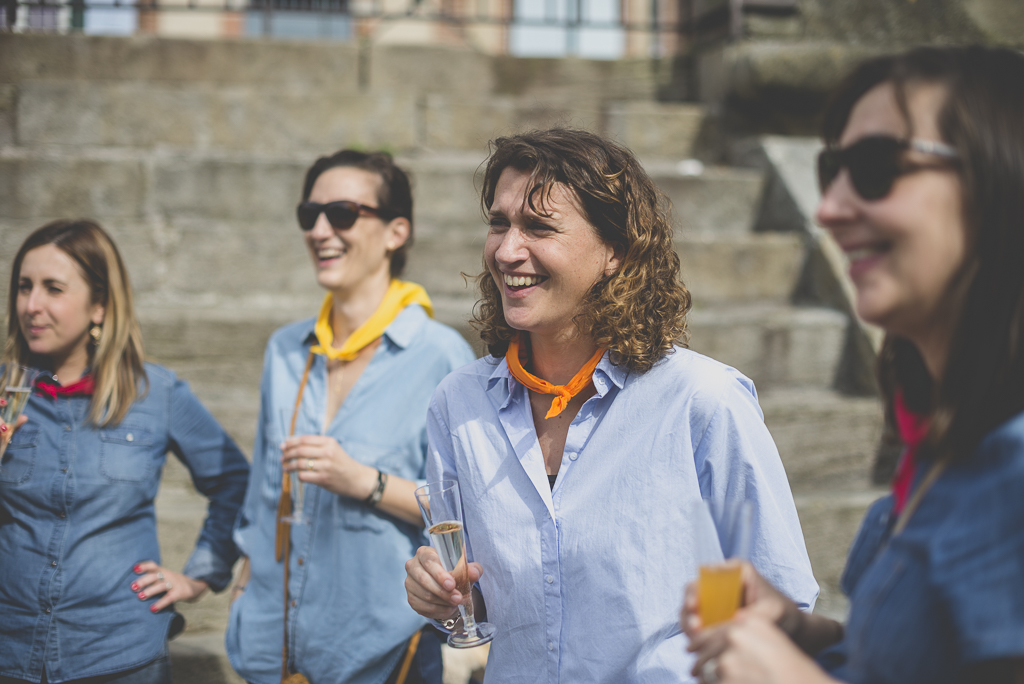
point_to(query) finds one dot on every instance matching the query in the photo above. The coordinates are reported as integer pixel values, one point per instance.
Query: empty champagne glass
(17, 382)
(288, 421)
(720, 584)
(441, 507)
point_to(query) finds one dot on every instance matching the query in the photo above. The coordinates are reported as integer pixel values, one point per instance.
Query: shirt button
(67, 428)
(47, 611)
(573, 456)
(53, 563)
(130, 437)
(551, 645)
(550, 579)
(301, 560)
(294, 603)
(63, 515)
(63, 470)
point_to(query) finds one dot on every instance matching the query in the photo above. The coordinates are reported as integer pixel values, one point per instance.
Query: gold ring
(309, 465)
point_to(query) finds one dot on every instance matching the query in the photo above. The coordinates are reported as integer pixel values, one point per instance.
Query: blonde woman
(82, 591)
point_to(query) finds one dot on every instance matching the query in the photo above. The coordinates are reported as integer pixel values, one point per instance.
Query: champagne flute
(441, 507)
(288, 420)
(16, 382)
(720, 583)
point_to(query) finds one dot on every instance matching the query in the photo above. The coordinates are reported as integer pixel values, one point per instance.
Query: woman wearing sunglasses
(344, 403)
(583, 443)
(83, 597)
(921, 186)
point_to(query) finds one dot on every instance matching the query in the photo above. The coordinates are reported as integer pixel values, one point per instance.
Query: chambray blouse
(584, 581)
(948, 592)
(348, 618)
(76, 515)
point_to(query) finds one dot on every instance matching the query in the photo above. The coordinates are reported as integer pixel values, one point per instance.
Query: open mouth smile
(519, 283)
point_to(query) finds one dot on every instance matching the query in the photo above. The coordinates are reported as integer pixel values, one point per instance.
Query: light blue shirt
(349, 619)
(584, 582)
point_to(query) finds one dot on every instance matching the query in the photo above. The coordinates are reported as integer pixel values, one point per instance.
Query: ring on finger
(168, 585)
(160, 576)
(709, 673)
(309, 465)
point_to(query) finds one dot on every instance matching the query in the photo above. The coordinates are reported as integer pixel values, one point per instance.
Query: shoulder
(1004, 447)
(687, 377)
(467, 384)
(291, 336)
(438, 340)
(160, 379)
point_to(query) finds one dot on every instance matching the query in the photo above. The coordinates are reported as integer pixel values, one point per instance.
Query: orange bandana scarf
(400, 294)
(563, 393)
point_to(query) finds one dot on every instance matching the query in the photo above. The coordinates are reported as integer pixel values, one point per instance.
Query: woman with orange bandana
(583, 443)
(344, 402)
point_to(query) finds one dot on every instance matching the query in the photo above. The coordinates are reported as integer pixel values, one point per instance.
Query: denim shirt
(76, 515)
(584, 582)
(948, 592)
(348, 616)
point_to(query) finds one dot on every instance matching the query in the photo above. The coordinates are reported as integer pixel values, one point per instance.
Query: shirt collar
(401, 332)
(501, 379)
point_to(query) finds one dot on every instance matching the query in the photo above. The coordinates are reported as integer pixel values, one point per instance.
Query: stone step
(830, 520)
(774, 345)
(826, 440)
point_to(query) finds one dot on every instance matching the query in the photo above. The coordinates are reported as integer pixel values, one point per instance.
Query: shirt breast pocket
(126, 454)
(20, 457)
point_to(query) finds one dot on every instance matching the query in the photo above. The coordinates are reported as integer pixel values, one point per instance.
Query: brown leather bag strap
(282, 543)
(414, 643)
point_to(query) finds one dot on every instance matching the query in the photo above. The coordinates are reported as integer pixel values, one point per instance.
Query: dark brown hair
(394, 195)
(983, 119)
(116, 359)
(639, 312)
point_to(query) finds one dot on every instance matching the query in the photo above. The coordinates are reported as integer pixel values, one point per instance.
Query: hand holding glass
(441, 507)
(17, 382)
(298, 486)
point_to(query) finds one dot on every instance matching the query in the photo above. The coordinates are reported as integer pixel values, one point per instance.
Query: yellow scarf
(399, 295)
(563, 393)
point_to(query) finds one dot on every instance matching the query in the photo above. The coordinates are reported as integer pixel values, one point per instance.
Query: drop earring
(94, 332)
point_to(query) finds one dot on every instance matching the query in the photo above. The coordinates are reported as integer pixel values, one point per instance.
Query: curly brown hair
(639, 312)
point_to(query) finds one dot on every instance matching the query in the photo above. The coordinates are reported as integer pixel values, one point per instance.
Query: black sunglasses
(876, 162)
(341, 214)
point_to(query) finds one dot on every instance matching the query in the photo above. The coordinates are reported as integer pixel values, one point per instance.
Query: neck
(558, 358)
(934, 350)
(354, 306)
(70, 368)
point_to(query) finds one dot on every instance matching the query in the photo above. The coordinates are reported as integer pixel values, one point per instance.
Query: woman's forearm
(812, 633)
(399, 500)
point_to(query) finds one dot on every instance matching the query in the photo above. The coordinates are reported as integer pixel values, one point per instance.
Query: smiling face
(54, 305)
(543, 265)
(348, 259)
(905, 248)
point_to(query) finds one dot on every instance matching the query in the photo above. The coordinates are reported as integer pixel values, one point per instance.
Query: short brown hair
(639, 312)
(394, 196)
(117, 359)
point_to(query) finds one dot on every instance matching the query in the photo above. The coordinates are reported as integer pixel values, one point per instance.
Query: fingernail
(152, 608)
(3, 428)
(135, 586)
(138, 569)
(142, 595)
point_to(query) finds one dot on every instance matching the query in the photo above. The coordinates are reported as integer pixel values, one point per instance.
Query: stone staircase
(192, 154)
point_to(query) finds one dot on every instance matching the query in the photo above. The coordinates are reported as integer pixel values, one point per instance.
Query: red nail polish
(135, 586)
(137, 569)
(3, 428)
(142, 595)
(152, 609)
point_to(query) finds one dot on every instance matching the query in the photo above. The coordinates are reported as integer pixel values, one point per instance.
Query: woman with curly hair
(577, 507)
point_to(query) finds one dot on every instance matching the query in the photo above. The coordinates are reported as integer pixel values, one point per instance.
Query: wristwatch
(375, 496)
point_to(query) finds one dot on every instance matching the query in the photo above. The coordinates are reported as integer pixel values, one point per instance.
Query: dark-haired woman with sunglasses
(921, 187)
(344, 403)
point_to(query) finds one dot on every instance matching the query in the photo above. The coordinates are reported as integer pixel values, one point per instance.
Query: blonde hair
(117, 358)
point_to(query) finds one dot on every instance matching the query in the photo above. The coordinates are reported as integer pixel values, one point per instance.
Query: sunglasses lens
(307, 214)
(341, 215)
(873, 164)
